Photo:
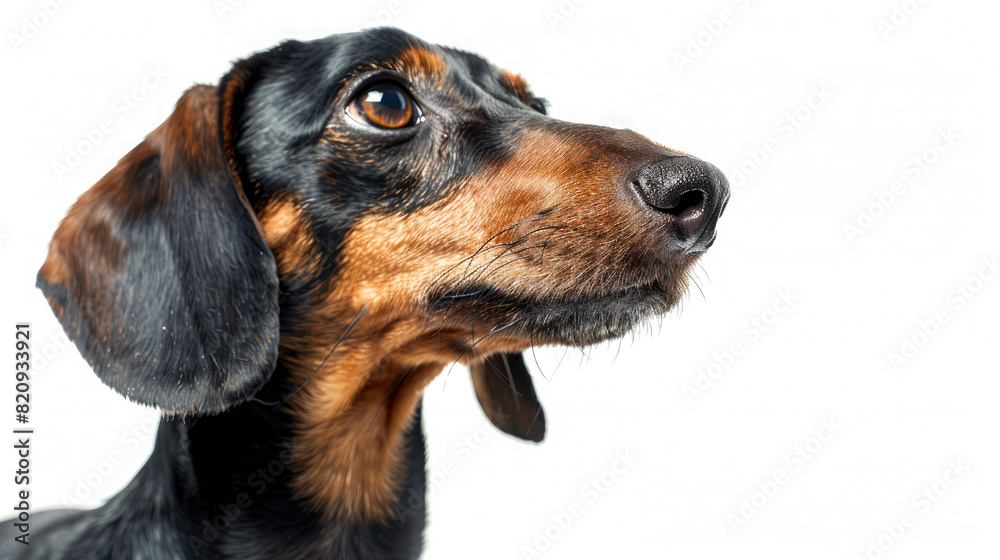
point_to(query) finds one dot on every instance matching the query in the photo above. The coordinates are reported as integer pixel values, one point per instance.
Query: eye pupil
(394, 100)
(384, 106)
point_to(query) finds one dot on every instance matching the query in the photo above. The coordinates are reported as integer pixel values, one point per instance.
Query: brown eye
(385, 106)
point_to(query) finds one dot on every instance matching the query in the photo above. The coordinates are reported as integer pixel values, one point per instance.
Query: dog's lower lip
(701, 248)
(629, 296)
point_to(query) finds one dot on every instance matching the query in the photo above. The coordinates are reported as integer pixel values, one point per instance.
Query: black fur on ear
(160, 273)
(507, 396)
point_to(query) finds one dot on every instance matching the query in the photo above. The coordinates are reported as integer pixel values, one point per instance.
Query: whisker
(545, 243)
(531, 342)
(350, 327)
(458, 296)
(697, 285)
(482, 247)
(509, 246)
(565, 351)
(475, 274)
(705, 272)
(618, 351)
(390, 393)
(511, 261)
(475, 342)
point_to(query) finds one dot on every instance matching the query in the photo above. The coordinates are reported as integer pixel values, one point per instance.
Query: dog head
(359, 211)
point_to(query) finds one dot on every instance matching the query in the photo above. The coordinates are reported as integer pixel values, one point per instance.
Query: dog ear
(160, 273)
(507, 396)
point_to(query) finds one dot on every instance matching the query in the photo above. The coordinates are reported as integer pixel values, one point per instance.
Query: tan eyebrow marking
(517, 82)
(420, 61)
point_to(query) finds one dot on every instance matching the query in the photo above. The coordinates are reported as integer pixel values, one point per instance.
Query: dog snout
(688, 194)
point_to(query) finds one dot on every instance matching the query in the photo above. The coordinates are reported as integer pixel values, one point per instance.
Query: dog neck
(354, 360)
(349, 425)
(240, 477)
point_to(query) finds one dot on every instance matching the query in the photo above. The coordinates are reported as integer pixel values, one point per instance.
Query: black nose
(687, 192)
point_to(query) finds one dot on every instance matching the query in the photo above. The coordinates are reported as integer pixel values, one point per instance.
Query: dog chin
(592, 320)
(572, 321)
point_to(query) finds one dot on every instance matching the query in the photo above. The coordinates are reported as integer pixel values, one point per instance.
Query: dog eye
(384, 105)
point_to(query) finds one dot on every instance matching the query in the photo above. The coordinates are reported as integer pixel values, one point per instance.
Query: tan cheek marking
(288, 236)
(400, 256)
(391, 260)
(350, 417)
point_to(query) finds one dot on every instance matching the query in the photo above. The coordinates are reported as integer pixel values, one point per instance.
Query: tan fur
(351, 414)
(288, 236)
(419, 61)
(517, 83)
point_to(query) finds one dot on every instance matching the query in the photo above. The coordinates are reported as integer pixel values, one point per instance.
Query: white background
(825, 357)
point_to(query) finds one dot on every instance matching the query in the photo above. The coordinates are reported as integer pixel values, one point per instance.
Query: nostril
(684, 205)
(688, 205)
(687, 195)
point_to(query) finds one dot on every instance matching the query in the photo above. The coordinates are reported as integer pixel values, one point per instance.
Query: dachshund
(286, 262)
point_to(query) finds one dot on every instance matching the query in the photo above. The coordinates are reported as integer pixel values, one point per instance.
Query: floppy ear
(161, 276)
(507, 395)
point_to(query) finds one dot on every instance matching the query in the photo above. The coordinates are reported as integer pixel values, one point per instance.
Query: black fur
(189, 308)
(215, 488)
(186, 315)
(581, 321)
(196, 266)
